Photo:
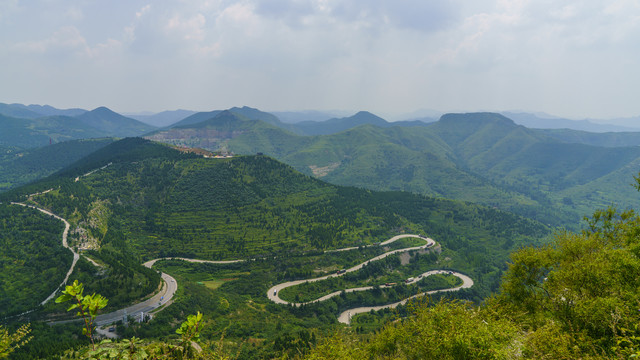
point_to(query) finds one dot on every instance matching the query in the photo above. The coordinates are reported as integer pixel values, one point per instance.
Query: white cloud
(191, 28)
(549, 55)
(65, 38)
(145, 9)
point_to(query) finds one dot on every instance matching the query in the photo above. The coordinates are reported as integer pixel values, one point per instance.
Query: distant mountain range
(36, 111)
(162, 119)
(553, 175)
(22, 127)
(313, 122)
(18, 167)
(535, 121)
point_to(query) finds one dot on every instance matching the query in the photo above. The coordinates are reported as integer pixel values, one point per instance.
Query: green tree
(9, 342)
(87, 305)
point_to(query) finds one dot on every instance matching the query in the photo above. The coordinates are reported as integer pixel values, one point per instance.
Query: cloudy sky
(572, 58)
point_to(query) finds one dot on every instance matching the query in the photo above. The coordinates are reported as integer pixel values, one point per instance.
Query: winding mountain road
(162, 298)
(170, 286)
(76, 256)
(467, 282)
(273, 292)
(345, 317)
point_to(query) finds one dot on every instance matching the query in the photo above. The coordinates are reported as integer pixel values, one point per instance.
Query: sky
(570, 58)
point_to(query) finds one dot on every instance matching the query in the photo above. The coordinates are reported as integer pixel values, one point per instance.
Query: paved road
(467, 282)
(345, 317)
(64, 243)
(163, 297)
(150, 263)
(273, 292)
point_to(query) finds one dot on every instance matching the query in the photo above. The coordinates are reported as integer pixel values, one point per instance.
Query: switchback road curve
(345, 317)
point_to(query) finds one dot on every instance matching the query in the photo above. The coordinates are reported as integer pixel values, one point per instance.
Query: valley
(138, 201)
(298, 234)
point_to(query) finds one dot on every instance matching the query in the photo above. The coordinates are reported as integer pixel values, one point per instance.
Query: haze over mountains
(481, 157)
(33, 126)
(553, 175)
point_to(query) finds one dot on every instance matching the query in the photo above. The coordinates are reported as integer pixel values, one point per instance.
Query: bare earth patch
(320, 171)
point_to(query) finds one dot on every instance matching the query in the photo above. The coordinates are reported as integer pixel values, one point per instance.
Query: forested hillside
(177, 204)
(481, 157)
(32, 259)
(135, 200)
(27, 129)
(575, 298)
(18, 167)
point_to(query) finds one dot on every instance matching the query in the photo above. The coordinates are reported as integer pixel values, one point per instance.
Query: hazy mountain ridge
(20, 167)
(36, 131)
(113, 123)
(480, 157)
(162, 119)
(34, 111)
(604, 139)
(534, 121)
(336, 125)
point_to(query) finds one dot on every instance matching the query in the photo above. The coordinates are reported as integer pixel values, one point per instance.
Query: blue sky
(577, 59)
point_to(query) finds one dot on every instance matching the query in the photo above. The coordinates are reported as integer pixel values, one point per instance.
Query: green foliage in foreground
(87, 305)
(133, 348)
(574, 298)
(443, 331)
(9, 342)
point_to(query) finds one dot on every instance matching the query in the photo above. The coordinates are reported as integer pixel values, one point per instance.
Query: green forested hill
(179, 204)
(113, 124)
(337, 125)
(29, 133)
(32, 132)
(216, 131)
(32, 259)
(479, 157)
(608, 139)
(136, 200)
(18, 167)
(160, 202)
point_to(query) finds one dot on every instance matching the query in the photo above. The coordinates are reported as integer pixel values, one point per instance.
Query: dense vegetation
(574, 298)
(173, 204)
(32, 260)
(27, 129)
(135, 200)
(483, 158)
(18, 167)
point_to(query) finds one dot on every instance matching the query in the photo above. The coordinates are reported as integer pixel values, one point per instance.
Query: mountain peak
(231, 115)
(113, 123)
(477, 118)
(102, 109)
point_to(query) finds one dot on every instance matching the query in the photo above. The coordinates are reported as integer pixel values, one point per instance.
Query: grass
(215, 283)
